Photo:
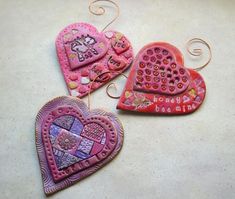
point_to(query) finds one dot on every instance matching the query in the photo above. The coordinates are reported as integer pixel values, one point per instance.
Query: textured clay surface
(73, 142)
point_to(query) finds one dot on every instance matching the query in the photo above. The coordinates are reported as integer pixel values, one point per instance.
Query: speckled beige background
(187, 157)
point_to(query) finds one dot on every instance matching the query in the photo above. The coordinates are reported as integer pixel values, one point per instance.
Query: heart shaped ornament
(159, 83)
(84, 53)
(73, 142)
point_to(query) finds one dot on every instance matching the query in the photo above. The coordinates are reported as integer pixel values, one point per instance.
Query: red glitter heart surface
(160, 83)
(73, 142)
(84, 52)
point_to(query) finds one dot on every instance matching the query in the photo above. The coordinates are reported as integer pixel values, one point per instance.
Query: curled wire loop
(115, 87)
(100, 10)
(107, 87)
(196, 52)
(89, 93)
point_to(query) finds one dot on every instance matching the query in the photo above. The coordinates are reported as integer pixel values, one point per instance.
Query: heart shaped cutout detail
(159, 83)
(73, 142)
(80, 48)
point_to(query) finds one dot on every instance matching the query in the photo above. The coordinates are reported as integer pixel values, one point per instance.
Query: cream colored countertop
(187, 157)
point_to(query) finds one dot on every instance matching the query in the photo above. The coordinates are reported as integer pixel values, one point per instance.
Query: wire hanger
(196, 52)
(100, 10)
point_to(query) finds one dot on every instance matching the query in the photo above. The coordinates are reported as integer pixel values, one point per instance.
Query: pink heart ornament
(81, 47)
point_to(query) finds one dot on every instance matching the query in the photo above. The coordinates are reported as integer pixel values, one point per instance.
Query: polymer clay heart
(159, 83)
(81, 48)
(73, 142)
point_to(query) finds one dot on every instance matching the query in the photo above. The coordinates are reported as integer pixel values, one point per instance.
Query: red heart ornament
(80, 48)
(159, 83)
(73, 142)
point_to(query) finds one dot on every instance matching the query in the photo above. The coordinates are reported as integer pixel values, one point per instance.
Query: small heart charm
(80, 48)
(159, 83)
(115, 63)
(120, 44)
(73, 142)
